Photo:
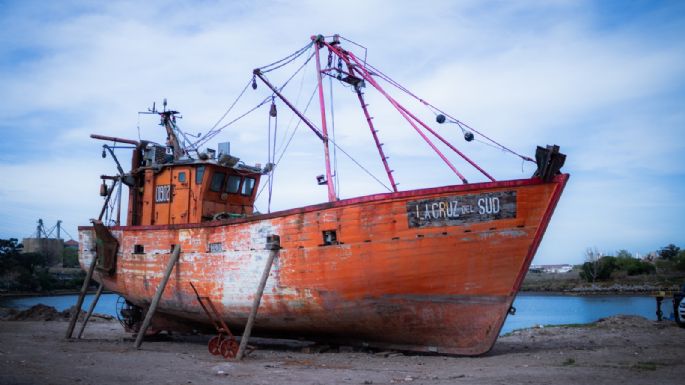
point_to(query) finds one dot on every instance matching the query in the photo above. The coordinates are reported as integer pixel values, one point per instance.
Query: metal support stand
(90, 310)
(224, 343)
(273, 243)
(158, 295)
(84, 288)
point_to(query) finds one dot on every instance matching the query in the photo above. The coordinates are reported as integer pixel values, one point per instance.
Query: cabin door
(180, 201)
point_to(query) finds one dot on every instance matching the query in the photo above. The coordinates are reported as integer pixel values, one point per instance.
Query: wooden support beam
(90, 310)
(158, 295)
(273, 243)
(84, 288)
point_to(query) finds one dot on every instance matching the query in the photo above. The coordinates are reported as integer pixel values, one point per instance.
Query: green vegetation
(21, 267)
(569, 362)
(70, 257)
(571, 326)
(663, 269)
(30, 271)
(601, 267)
(669, 252)
(645, 366)
(671, 257)
(633, 266)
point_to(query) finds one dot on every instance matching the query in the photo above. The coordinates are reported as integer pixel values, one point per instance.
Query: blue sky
(605, 80)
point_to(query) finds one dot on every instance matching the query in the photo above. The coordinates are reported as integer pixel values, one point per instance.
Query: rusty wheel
(229, 348)
(214, 345)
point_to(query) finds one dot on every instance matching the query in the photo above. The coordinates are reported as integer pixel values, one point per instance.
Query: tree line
(599, 267)
(30, 271)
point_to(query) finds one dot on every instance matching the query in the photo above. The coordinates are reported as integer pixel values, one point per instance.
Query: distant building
(52, 248)
(42, 243)
(556, 269)
(71, 244)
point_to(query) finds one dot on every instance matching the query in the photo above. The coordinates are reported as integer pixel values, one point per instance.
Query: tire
(678, 304)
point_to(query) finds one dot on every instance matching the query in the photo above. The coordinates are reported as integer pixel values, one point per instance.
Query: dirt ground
(618, 350)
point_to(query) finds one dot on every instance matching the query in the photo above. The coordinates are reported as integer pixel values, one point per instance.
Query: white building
(557, 269)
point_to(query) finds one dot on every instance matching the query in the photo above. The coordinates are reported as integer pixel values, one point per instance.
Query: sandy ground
(619, 350)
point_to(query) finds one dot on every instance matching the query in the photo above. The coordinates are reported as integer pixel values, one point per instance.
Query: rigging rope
(66, 232)
(311, 97)
(211, 133)
(299, 121)
(461, 124)
(109, 211)
(216, 131)
(293, 116)
(291, 57)
(360, 166)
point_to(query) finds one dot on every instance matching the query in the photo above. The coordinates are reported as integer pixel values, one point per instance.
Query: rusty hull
(443, 288)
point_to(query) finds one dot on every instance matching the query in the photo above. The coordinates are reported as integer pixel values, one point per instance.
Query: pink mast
(322, 104)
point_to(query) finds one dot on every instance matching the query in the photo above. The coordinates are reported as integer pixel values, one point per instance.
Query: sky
(604, 80)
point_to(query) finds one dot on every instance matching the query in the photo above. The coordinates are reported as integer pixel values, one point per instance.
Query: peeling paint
(444, 290)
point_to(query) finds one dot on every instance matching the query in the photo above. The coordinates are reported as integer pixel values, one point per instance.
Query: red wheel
(214, 345)
(229, 348)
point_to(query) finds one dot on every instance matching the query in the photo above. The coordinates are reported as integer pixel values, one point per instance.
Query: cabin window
(330, 238)
(248, 186)
(217, 181)
(233, 185)
(199, 174)
(182, 176)
(138, 249)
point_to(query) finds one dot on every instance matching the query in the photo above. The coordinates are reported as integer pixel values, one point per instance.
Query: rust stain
(443, 288)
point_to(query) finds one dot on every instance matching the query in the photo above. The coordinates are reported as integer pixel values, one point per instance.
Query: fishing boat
(434, 269)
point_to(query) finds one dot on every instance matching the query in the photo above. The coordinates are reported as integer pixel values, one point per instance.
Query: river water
(531, 309)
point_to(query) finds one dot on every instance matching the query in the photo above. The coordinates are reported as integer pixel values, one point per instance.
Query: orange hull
(431, 270)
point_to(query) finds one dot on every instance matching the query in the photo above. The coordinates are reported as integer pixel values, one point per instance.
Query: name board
(163, 193)
(461, 209)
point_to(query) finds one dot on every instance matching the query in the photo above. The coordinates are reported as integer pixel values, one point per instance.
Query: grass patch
(645, 366)
(588, 325)
(543, 327)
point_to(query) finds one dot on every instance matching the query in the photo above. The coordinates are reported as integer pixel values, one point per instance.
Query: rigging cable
(210, 133)
(266, 99)
(360, 166)
(434, 109)
(334, 144)
(293, 116)
(286, 60)
(110, 205)
(66, 232)
(287, 144)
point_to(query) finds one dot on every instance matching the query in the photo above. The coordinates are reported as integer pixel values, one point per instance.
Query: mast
(329, 180)
(168, 121)
(358, 68)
